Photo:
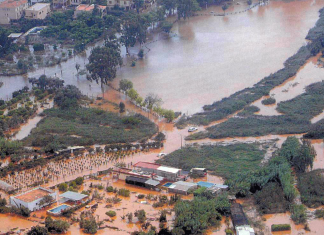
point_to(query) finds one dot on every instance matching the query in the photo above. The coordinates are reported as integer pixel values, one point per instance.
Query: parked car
(192, 129)
(161, 154)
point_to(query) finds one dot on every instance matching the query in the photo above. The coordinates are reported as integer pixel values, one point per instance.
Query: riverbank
(221, 109)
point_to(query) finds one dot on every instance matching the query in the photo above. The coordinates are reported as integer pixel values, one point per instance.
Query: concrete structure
(38, 11)
(73, 197)
(182, 187)
(87, 8)
(126, 4)
(169, 173)
(12, 10)
(32, 198)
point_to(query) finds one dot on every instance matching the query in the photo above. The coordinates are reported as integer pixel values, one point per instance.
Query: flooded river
(210, 58)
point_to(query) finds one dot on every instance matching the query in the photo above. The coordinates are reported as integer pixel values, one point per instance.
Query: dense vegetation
(225, 161)
(297, 113)
(87, 126)
(311, 188)
(221, 109)
(194, 217)
(268, 101)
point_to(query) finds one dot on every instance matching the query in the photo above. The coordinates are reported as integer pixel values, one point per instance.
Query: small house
(32, 199)
(73, 197)
(182, 187)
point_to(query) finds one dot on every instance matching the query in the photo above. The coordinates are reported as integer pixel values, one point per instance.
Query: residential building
(87, 8)
(35, 1)
(38, 11)
(12, 10)
(214, 188)
(32, 198)
(169, 173)
(61, 3)
(76, 2)
(182, 187)
(126, 4)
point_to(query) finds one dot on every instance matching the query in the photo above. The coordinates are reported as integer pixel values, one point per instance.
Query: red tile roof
(12, 3)
(147, 165)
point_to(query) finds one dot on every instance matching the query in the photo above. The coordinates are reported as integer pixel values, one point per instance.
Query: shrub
(111, 213)
(298, 213)
(110, 189)
(123, 192)
(140, 196)
(268, 101)
(63, 187)
(280, 227)
(319, 213)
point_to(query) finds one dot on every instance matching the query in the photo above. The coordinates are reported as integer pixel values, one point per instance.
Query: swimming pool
(167, 185)
(57, 210)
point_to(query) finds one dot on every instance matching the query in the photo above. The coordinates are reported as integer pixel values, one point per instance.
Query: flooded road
(210, 58)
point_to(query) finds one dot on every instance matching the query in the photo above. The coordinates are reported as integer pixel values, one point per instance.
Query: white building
(12, 10)
(31, 199)
(38, 11)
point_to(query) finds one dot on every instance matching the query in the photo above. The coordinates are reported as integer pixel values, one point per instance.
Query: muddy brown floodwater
(210, 58)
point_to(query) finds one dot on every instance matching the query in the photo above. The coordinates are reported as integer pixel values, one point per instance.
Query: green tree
(224, 8)
(305, 157)
(138, 5)
(121, 107)
(68, 97)
(63, 187)
(169, 115)
(79, 180)
(298, 214)
(132, 93)
(38, 230)
(56, 226)
(166, 26)
(141, 215)
(125, 85)
(103, 63)
(186, 8)
(152, 100)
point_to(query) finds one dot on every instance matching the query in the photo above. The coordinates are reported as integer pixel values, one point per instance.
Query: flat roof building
(38, 11)
(73, 197)
(32, 198)
(169, 173)
(182, 187)
(142, 182)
